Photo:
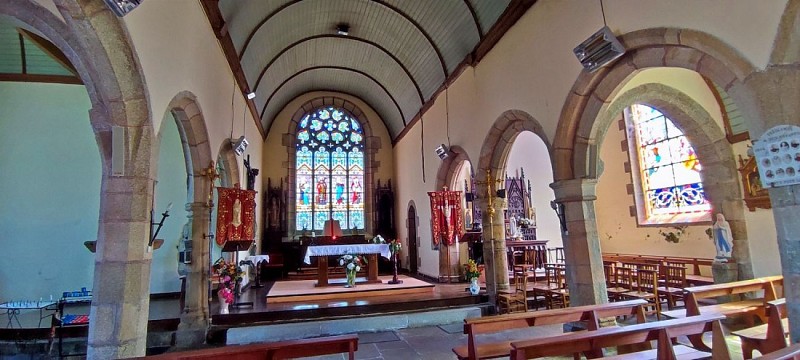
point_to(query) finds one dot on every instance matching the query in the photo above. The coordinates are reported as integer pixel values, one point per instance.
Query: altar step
(310, 273)
(357, 324)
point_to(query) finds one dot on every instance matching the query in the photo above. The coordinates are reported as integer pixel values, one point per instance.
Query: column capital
(575, 190)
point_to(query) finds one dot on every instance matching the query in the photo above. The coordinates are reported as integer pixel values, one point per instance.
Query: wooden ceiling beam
(51, 50)
(220, 28)
(36, 78)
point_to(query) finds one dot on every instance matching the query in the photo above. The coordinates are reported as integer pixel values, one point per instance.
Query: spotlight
(251, 96)
(442, 151)
(599, 49)
(343, 29)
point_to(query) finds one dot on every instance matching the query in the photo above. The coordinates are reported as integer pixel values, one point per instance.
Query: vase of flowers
(229, 276)
(472, 273)
(394, 248)
(352, 265)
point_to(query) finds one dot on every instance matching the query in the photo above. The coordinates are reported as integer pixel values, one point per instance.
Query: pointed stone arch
(97, 45)
(450, 167)
(197, 154)
(494, 154)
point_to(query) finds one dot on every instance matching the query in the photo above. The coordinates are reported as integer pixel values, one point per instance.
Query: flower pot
(474, 288)
(223, 304)
(351, 278)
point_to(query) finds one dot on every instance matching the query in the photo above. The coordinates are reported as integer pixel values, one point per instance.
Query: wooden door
(412, 240)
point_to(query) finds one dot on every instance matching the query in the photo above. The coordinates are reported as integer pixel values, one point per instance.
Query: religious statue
(723, 239)
(513, 229)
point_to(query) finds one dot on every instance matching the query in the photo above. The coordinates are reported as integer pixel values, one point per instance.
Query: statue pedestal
(725, 273)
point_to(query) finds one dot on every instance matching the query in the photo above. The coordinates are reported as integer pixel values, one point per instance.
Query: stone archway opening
(456, 174)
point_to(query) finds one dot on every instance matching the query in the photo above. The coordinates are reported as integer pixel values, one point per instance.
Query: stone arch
(786, 48)
(659, 47)
(197, 154)
(494, 153)
(97, 44)
(372, 145)
(450, 167)
(231, 164)
(719, 175)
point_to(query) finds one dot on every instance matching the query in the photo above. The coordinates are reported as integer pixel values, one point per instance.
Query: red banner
(447, 221)
(236, 212)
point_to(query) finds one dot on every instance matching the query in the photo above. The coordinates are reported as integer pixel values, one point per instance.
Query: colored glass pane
(670, 171)
(326, 176)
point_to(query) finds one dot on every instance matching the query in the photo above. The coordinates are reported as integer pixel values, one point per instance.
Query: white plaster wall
(171, 187)
(49, 190)
(530, 153)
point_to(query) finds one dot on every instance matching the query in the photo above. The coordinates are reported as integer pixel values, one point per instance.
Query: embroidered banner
(236, 210)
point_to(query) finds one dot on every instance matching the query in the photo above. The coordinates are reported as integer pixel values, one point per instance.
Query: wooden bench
(277, 350)
(663, 332)
(591, 314)
(789, 353)
(694, 274)
(768, 337)
(747, 307)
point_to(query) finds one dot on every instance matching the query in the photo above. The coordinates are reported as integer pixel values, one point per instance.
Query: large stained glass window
(330, 170)
(670, 184)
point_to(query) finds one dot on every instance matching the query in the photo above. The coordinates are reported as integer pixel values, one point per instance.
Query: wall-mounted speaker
(442, 151)
(122, 7)
(118, 151)
(599, 49)
(240, 145)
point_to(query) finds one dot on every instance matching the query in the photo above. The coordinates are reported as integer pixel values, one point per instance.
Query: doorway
(412, 240)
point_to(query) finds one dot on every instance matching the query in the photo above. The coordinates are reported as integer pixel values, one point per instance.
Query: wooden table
(371, 250)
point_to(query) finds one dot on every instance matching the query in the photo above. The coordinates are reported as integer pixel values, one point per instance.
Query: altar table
(371, 250)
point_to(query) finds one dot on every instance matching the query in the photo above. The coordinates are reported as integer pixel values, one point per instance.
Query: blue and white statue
(723, 239)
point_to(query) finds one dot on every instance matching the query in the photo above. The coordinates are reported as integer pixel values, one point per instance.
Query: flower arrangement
(352, 264)
(395, 246)
(229, 275)
(471, 270)
(524, 223)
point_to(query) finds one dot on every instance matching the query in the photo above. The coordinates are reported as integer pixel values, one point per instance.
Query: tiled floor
(436, 342)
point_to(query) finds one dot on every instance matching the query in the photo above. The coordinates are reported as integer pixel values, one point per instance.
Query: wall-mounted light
(559, 208)
(442, 151)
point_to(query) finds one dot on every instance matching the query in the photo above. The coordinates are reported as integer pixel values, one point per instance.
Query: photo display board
(778, 155)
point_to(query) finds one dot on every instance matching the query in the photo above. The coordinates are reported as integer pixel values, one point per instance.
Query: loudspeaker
(118, 151)
(599, 49)
(240, 145)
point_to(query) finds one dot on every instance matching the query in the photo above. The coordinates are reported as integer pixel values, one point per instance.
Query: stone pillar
(121, 292)
(494, 247)
(584, 260)
(194, 318)
(785, 208)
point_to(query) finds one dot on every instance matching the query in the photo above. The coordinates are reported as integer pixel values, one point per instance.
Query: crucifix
(490, 195)
(211, 173)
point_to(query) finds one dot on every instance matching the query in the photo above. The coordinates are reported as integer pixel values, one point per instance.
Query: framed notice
(778, 156)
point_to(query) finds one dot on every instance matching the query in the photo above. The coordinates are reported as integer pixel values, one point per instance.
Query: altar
(371, 250)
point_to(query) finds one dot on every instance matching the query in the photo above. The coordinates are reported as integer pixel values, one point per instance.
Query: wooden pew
(277, 350)
(788, 353)
(661, 331)
(768, 337)
(747, 307)
(694, 274)
(591, 314)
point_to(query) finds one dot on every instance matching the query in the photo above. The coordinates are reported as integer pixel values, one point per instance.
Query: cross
(489, 193)
(211, 173)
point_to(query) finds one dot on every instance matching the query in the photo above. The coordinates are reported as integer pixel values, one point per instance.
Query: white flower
(348, 257)
(350, 266)
(358, 268)
(341, 262)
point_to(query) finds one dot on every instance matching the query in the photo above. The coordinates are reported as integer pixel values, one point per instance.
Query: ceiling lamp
(343, 29)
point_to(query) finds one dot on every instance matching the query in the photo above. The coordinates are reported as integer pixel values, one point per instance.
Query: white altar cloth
(325, 250)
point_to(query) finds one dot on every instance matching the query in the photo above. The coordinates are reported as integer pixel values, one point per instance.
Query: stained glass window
(330, 170)
(671, 187)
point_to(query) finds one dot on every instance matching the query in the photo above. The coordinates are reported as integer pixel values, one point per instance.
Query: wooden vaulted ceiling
(28, 57)
(397, 56)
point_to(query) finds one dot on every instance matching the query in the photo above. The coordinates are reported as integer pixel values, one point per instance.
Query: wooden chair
(646, 288)
(557, 294)
(622, 283)
(517, 300)
(674, 283)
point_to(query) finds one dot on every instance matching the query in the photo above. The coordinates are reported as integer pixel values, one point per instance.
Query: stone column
(194, 318)
(584, 260)
(121, 292)
(494, 247)
(785, 208)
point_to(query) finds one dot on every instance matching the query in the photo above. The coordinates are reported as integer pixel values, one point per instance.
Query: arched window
(330, 170)
(669, 188)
